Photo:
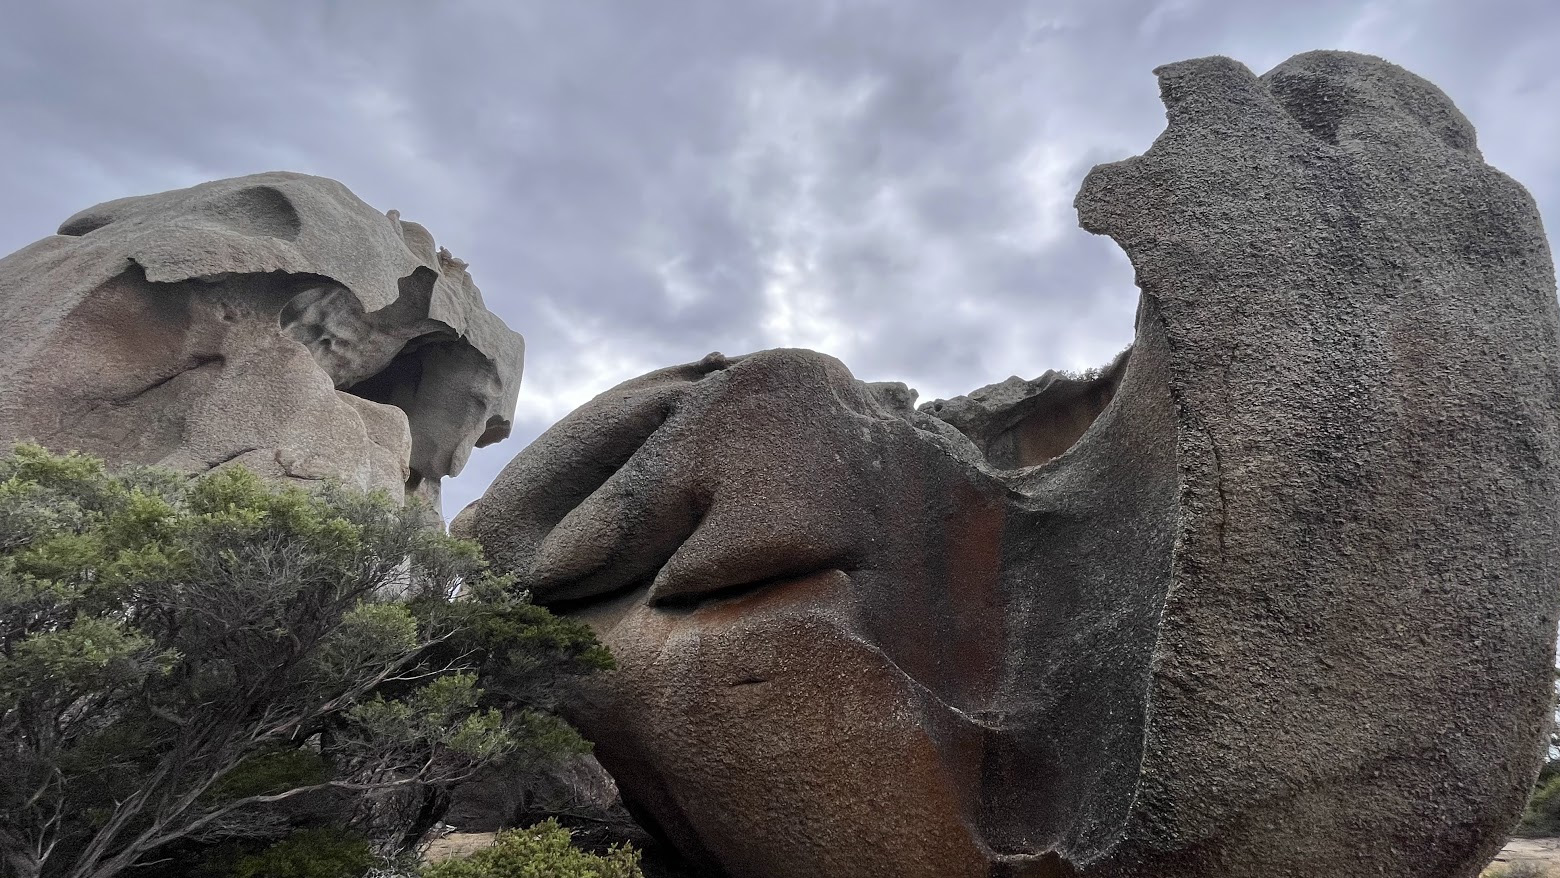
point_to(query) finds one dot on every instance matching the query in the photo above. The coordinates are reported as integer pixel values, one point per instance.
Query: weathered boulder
(274, 321)
(1020, 423)
(1273, 595)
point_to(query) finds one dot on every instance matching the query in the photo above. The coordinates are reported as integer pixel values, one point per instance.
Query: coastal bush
(186, 661)
(542, 851)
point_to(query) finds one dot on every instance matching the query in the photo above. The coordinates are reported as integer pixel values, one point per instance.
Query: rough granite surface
(1274, 595)
(274, 321)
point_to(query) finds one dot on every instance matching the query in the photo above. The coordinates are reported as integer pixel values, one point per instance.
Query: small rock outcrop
(273, 321)
(1020, 423)
(1273, 595)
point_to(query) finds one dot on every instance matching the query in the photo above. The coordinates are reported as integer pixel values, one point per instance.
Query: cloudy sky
(639, 183)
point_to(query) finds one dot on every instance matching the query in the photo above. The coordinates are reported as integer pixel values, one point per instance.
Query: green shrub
(271, 772)
(1542, 816)
(542, 851)
(311, 853)
(185, 662)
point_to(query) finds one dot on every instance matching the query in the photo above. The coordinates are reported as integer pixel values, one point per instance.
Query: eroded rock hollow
(1272, 595)
(273, 321)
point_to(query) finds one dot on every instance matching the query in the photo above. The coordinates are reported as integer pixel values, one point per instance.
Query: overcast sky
(639, 183)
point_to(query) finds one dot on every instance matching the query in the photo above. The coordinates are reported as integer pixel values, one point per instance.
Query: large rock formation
(273, 321)
(1273, 595)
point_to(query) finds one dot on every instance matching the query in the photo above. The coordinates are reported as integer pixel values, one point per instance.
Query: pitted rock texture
(1272, 595)
(274, 321)
(1020, 423)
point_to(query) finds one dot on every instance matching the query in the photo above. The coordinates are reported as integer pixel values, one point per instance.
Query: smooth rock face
(1273, 595)
(274, 321)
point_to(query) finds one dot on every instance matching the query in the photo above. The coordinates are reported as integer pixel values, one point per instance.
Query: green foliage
(272, 772)
(542, 851)
(311, 853)
(1542, 815)
(443, 711)
(512, 644)
(177, 656)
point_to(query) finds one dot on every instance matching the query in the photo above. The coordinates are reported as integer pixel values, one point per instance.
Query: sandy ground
(1538, 851)
(1543, 851)
(457, 844)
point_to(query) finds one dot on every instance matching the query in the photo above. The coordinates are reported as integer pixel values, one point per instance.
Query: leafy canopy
(181, 657)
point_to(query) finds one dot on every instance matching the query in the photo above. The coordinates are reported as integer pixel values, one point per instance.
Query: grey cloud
(636, 184)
